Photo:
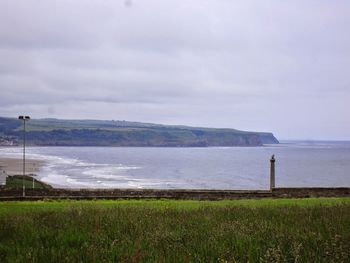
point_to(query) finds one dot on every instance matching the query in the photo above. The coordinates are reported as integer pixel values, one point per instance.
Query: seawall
(7, 194)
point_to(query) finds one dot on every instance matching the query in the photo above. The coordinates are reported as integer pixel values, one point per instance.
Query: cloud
(271, 65)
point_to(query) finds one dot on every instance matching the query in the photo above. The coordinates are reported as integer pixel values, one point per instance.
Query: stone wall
(311, 192)
(132, 194)
(38, 194)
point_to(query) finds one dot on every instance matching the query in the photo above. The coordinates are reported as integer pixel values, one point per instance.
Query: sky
(277, 66)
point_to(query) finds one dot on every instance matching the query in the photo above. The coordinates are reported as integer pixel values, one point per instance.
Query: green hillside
(56, 132)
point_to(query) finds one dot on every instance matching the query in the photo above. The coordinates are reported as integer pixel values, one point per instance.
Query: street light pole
(24, 118)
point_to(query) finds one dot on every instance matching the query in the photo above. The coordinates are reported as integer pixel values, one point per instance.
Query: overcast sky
(279, 66)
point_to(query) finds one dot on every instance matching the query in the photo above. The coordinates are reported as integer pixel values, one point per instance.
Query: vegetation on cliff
(56, 132)
(17, 181)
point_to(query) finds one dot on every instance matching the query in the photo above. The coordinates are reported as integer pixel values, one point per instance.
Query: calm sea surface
(297, 164)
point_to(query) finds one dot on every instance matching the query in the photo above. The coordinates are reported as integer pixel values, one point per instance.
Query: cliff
(55, 132)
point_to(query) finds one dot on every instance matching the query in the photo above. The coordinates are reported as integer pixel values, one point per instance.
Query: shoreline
(14, 166)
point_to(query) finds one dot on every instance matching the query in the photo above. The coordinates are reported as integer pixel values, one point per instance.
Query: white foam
(74, 173)
(64, 172)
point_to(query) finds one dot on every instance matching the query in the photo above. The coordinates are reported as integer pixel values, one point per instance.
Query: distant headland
(57, 132)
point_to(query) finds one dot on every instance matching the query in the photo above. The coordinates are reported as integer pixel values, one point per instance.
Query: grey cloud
(280, 66)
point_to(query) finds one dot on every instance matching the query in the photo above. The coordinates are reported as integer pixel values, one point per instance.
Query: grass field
(267, 230)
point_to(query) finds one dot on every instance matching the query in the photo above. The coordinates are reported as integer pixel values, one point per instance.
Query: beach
(14, 166)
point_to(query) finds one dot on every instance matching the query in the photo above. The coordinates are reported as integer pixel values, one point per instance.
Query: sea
(298, 164)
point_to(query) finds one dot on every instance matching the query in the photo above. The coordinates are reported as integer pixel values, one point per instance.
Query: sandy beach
(14, 166)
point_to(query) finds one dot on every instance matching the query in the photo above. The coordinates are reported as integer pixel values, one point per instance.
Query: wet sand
(13, 166)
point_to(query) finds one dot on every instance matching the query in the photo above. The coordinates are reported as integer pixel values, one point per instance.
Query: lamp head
(21, 117)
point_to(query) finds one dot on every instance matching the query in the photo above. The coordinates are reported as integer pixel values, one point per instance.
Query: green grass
(268, 230)
(16, 181)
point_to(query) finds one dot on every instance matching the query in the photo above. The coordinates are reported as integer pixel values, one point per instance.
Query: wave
(74, 173)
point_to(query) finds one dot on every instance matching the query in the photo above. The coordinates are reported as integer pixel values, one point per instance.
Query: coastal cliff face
(268, 138)
(53, 132)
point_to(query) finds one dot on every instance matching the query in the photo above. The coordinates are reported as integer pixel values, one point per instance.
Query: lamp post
(24, 118)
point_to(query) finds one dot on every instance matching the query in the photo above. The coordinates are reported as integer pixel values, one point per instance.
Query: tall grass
(172, 233)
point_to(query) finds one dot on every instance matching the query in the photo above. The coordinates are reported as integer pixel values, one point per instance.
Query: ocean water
(308, 164)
